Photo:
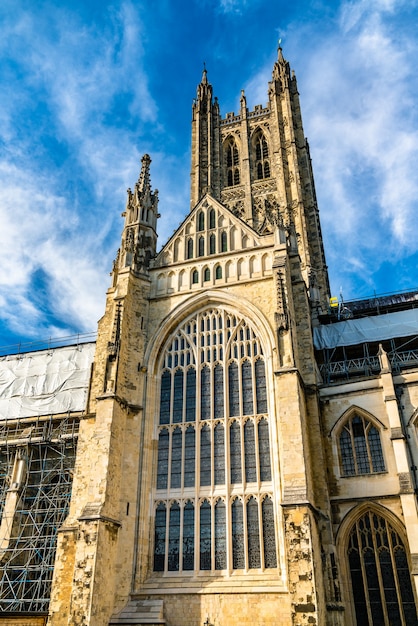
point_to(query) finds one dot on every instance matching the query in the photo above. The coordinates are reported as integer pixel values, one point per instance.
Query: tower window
(195, 277)
(217, 358)
(231, 162)
(360, 447)
(261, 156)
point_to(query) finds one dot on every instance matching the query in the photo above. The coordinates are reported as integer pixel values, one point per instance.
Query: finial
(204, 74)
(144, 177)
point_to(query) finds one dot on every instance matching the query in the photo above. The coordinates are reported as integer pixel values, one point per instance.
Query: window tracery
(231, 159)
(261, 156)
(213, 433)
(360, 447)
(380, 577)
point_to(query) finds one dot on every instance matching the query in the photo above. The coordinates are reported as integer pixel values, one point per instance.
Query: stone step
(138, 611)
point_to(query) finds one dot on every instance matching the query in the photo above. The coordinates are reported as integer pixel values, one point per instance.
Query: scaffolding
(37, 457)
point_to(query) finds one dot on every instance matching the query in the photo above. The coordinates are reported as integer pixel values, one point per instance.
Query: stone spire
(206, 159)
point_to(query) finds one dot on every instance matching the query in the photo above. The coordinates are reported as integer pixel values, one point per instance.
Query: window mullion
(364, 574)
(378, 569)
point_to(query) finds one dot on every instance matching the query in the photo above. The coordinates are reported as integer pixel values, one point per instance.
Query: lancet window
(360, 447)
(261, 156)
(231, 160)
(213, 433)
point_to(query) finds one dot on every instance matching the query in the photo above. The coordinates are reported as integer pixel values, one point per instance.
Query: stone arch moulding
(336, 429)
(241, 307)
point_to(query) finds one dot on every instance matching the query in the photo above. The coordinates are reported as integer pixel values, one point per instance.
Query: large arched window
(213, 490)
(381, 582)
(261, 157)
(360, 447)
(231, 162)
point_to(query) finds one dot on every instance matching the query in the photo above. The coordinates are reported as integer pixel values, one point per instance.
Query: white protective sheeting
(45, 382)
(367, 329)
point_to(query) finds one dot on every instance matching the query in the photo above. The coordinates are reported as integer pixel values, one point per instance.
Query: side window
(360, 447)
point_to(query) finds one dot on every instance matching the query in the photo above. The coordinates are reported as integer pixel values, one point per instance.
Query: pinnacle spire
(144, 182)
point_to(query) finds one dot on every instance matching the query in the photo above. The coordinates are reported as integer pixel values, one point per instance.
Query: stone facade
(219, 478)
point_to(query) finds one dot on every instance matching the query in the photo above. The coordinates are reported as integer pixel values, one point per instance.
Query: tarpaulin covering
(367, 329)
(45, 382)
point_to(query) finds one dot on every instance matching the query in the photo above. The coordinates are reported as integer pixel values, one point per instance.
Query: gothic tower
(199, 489)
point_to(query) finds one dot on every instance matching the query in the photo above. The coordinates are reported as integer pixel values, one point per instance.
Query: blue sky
(87, 87)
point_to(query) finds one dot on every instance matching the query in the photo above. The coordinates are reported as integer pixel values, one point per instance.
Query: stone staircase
(140, 611)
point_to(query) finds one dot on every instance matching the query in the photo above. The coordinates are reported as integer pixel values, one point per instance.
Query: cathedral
(236, 447)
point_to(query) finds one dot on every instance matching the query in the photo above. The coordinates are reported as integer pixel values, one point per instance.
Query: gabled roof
(201, 234)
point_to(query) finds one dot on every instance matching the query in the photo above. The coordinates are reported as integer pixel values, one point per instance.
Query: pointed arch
(358, 442)
(260, 155)
(373, 547)
(231, 162)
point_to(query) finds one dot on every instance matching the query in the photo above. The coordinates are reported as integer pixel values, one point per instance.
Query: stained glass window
(264, 450)
(220, 535)
(261, 394)
(238, 554)
(253, 534)
(205, 393)
(247, 388)
(205, 536)
(176, 459)
(159, 538)
(269, 536)
(162, 467)
(204, 425)
(191, 395)
(249, 452)
(205, 457)
(188, 537)
(235, 453)
(218, 396)
(219, 454)
(233, 389)
(174, 538)
(360, 447)
(165, 398)
(382, 589)
(178, 397)
(189, 457)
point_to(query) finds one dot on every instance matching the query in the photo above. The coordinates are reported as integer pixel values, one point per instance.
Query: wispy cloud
(70, 78)
(358, 87)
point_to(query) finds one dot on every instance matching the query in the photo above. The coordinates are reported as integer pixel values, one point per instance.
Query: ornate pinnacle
(144, 183)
